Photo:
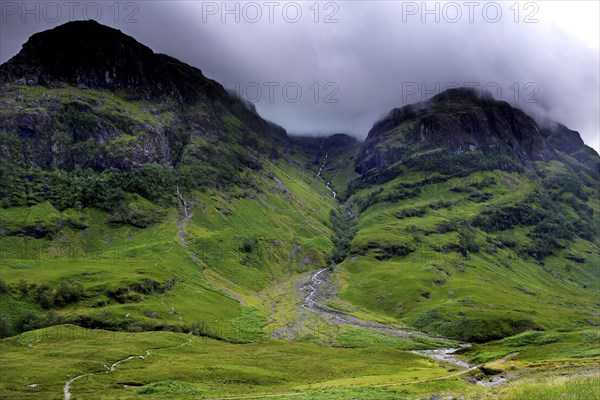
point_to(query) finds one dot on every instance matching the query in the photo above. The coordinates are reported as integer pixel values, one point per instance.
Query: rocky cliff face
(57, 130)
(459, 122)
(569, 142)
(90, 55)
(83, 94)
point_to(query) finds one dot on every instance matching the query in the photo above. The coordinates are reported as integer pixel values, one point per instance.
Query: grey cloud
(370, 57)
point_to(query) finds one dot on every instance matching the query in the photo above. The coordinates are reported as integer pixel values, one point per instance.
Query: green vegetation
(181, 365)
(540, 346)
(435, 257)
(344, 228)
(190, 365)
(188, 234)
(575, 389)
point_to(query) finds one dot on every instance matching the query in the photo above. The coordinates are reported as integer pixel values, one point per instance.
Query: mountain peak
(88, 54)
(460, 94)
(462, 121)
(72, 51)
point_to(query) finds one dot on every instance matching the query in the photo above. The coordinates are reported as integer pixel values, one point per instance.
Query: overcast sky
(326, 67)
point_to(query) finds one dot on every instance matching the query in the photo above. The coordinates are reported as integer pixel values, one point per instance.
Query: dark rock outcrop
(459, 122)
(106, 73)
(90, 55)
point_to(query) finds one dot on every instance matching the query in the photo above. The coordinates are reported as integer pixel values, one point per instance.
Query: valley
(159, 239)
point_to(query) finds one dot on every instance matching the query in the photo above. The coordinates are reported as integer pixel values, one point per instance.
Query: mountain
(90, 55)
(472, 219)
(140, 198)
(458, 122)
(115, 154)
(84, 99)
(86, 94)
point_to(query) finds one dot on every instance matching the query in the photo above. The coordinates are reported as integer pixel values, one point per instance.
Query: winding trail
(113, 367)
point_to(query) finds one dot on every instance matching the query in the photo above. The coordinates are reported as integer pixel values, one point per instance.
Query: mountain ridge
(70, 53)
(88, 54)
(438, 191)
(134, 206)
(459, 121)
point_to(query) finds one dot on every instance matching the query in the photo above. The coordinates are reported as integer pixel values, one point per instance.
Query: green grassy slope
(247, 240)
(175, 365)
(99, 237)
(469, 258)
(186, 367)
(158, 239)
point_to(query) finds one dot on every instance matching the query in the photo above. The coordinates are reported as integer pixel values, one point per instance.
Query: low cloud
(339, 66)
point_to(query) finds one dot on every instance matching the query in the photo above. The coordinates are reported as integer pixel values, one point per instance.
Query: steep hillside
(137, 194)
(331, 158)
(474, 223)
(159, 239)
(461, 130)
(86, 95)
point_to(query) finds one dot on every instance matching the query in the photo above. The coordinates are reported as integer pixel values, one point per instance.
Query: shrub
(502, 218)
(466, 242)
(152, 181)
(46, 296)
(394, 250)
(5, 327)
(344, 228)
(69, 293)
(532, 338)
(471, 329)
(248, 245)
(440, 204)
(53, 318)
(485, 182)
(410, 212)
(124, 295)
(169, 388)
(23, 287)
(3, 287)
(30, 320)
